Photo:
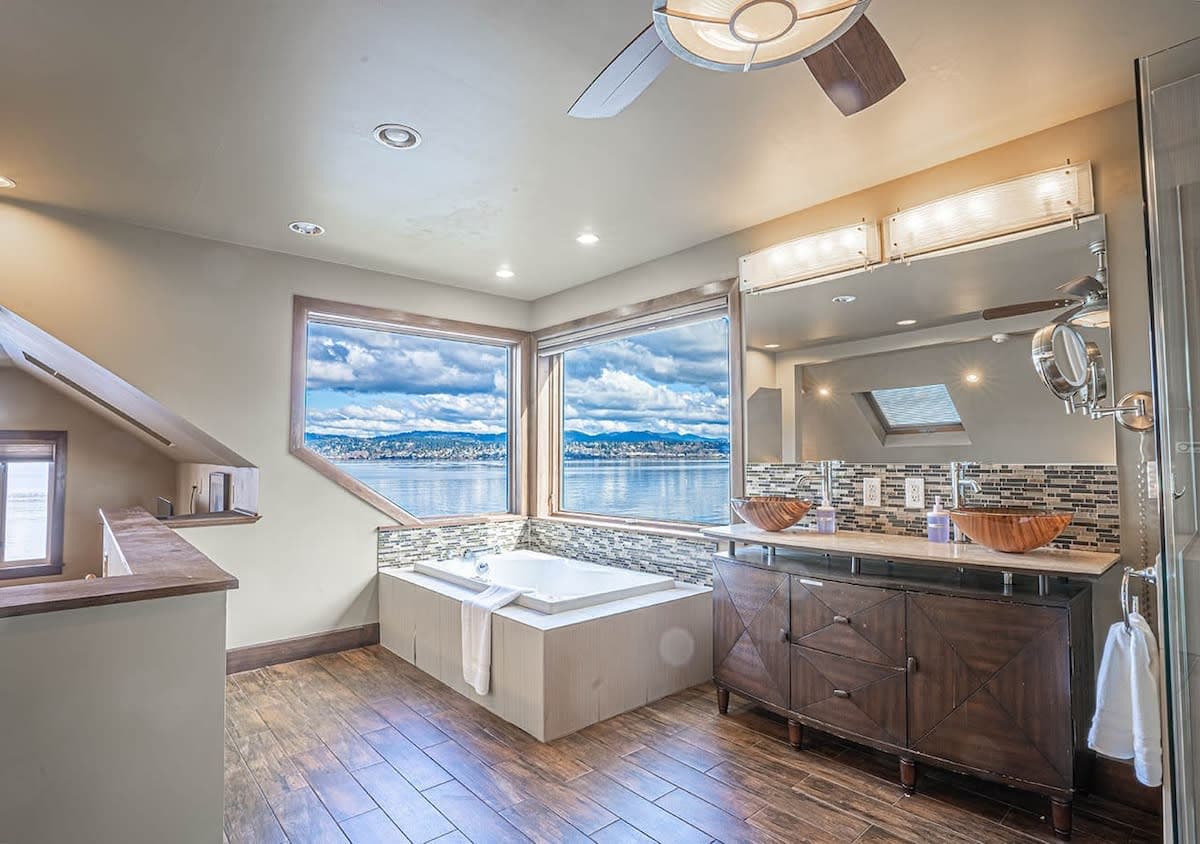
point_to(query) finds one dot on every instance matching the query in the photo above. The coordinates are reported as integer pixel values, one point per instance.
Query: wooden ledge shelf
(230, 517)
(1087, 565)
(145, 559)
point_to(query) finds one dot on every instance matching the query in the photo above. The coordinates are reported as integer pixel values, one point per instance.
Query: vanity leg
(795, 734)
(908, 776)
(1060, 814)
(723, 701)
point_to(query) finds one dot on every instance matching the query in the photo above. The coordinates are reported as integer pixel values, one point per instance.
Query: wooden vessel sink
(1011, 529)
(771, 512)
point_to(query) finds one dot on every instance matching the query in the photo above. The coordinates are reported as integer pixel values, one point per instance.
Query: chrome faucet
(959, 484)
(827, 469)
(475, 556)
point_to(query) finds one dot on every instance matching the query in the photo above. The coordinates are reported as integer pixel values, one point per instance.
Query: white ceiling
(229, 118)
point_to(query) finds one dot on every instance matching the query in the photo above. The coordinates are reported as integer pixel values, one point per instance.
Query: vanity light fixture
(306, 229)
(587, 239)
(844, 300)
(397, 136)
(811, 259)
(505, 273)
(6, 182)
(1060, 195)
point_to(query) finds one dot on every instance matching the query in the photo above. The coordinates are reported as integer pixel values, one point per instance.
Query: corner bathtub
(589, 642)
(556, 584)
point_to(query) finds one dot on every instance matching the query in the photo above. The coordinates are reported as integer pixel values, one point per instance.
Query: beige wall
(205, 328)
(113, 722)
(106, 466)
(1109, 139)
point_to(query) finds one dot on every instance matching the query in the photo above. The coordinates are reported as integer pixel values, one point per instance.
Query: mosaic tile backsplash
(683, 559)
(1090, 490)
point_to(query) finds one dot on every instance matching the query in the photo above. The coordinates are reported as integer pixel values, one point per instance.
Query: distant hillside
(463, 445)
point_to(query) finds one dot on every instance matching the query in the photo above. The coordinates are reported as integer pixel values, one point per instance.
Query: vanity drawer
(860, 698)
(861, 622)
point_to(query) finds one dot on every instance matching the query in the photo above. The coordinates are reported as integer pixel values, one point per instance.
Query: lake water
(676, 490)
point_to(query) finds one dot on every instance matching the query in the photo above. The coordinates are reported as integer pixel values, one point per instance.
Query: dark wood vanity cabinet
(951, 669)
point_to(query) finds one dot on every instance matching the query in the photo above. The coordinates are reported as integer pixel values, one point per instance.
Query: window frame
(52, 563)
(519, 346)
(897, 430)
(548, 402)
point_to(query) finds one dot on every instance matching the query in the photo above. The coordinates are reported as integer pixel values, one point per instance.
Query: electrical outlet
(914, 493)
(872, 492)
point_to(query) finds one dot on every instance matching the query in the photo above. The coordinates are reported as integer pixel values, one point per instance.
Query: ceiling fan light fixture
(752, 34)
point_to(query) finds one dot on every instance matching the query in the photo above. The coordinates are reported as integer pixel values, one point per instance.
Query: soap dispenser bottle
(937, 522)
(826, 515)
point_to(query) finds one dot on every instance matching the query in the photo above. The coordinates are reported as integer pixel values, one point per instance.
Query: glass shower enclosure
(1169, 108)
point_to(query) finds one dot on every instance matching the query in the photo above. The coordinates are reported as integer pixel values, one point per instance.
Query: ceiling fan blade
(857, 70)
(1028, 308)
(626, 76)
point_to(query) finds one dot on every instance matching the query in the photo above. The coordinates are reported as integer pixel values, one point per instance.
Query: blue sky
(363, 382)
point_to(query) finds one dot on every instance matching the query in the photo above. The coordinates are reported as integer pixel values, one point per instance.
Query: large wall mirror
(900, 365)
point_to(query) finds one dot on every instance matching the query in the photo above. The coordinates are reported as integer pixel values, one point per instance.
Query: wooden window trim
(53, 563)
(548, 403)
(519, 345)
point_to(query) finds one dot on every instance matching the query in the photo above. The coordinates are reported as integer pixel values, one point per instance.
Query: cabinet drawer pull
(783, 634)
(841, 693)
(912, 665)
(841, 619)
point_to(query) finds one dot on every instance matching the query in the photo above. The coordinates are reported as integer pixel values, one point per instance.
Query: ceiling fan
(1086, 298)
(843, 50)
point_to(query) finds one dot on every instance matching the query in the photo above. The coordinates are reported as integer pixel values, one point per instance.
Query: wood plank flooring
(360, 746)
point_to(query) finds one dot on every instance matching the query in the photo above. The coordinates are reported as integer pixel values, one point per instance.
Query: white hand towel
(1126, 724)
(477, 633)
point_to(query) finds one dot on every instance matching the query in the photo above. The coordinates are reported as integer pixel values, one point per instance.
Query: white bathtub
(558, 584)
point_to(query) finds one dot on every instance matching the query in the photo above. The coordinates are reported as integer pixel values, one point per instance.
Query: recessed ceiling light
(906, 322)
(770, 345)
(972, 377)
(6, 182)
(306, 229)
(844, 300)
(397, 136)
(505, 273)
(588, 238)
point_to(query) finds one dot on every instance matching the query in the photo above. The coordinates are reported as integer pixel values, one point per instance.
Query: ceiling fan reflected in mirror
(1085, 298)
(843, 50)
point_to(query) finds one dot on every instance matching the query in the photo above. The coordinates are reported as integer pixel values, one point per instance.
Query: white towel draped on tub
(477, 633)
(1126, 725)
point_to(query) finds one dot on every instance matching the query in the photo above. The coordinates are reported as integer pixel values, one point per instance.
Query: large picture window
(32, 502)
(645, 422)
(414, 415)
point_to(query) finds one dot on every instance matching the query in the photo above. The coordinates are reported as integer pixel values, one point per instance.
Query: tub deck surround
(144, 560)
(553, 674)
(1087, 565)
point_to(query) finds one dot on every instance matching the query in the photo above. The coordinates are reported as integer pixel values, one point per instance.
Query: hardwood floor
(360, 746)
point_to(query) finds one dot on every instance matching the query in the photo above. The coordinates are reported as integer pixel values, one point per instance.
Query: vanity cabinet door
(989, 686)
(750, 631)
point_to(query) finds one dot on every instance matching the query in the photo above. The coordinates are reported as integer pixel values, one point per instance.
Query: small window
(926, 409)
(32, 505)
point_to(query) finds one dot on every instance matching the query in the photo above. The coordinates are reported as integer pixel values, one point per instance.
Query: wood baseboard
(301, 647)
(1114, 780)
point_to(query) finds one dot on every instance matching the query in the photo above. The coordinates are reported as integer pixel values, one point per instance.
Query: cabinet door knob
(841, 619)
(783, 634)
(841, 693)
(912, 665)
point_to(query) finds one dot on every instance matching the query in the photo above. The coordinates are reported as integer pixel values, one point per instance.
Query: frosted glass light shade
(1017, 205)
(751, 34)
(811, 258)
